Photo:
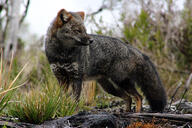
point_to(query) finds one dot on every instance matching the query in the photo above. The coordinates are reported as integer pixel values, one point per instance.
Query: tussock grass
(7, 84)
(36, 106)
(44, 101)
(68, 106)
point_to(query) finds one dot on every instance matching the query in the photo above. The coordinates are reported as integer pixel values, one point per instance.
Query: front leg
(76, 88)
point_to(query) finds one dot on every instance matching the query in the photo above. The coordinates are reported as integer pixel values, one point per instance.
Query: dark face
(73, 30)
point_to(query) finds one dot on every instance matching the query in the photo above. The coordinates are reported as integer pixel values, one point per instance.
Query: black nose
(91, 41)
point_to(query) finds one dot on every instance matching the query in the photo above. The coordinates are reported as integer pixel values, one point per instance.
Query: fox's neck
(79, 54)
(71, 54)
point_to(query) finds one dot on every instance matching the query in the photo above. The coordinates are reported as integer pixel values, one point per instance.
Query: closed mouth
(82, 44)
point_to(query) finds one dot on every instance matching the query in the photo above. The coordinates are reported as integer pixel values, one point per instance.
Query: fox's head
(68, 27)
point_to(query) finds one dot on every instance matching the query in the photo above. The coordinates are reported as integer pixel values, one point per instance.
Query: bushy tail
(152, 87)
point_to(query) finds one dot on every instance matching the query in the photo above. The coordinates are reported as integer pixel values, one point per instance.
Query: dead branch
(25, 13)
(176, 117)
(186, 88)
(103, 6)
(172, 97)
(98, 11)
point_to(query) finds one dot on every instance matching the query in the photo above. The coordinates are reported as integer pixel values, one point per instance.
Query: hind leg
(138, 99)
(112, 89)
(129, 86)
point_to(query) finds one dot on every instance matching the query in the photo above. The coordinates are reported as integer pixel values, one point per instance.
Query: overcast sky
(42, 12)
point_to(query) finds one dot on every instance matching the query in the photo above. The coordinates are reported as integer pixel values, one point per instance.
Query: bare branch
(178, 117)
(98, 11)
(105, 5)
(186, 88)
(178, 86)
(25, 12)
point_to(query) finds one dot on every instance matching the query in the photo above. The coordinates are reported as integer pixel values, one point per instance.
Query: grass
(7, 84)
(35, 107)
(68, 106)
(44, 101)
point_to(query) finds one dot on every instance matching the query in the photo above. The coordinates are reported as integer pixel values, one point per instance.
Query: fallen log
(178, 117)
(103, 120)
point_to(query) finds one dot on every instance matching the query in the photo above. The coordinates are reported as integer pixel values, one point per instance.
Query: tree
(12, 28)
(10, 22)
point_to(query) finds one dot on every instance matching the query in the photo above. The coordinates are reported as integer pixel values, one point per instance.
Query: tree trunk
(12, 28)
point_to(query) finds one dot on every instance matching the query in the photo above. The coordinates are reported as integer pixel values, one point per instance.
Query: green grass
(44, 101)
(68, 106)
(8, 85)
(35, 107)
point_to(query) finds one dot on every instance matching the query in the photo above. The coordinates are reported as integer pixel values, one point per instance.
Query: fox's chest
(66, 69)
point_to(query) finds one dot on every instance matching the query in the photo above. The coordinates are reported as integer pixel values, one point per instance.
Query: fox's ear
(82, 14)
(64, 16)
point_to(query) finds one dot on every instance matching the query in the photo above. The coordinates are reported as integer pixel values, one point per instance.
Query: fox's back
(112, 47)
(111, 56)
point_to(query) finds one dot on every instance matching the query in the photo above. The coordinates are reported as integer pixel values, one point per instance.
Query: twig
(186, 88)
(98, 11)
(172, 97)
(25, 13)
(103, 6)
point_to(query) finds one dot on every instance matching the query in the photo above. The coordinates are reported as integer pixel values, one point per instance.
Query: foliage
(184, 44)
(141, 32)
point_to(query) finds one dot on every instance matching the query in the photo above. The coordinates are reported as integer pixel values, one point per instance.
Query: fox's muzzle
(86, 41)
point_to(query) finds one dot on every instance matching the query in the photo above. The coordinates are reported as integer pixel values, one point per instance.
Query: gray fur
(115, 65)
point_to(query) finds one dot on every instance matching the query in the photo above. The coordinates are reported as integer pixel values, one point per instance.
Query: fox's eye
(78, 31)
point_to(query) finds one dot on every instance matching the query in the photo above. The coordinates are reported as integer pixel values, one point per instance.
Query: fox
(76, 56)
